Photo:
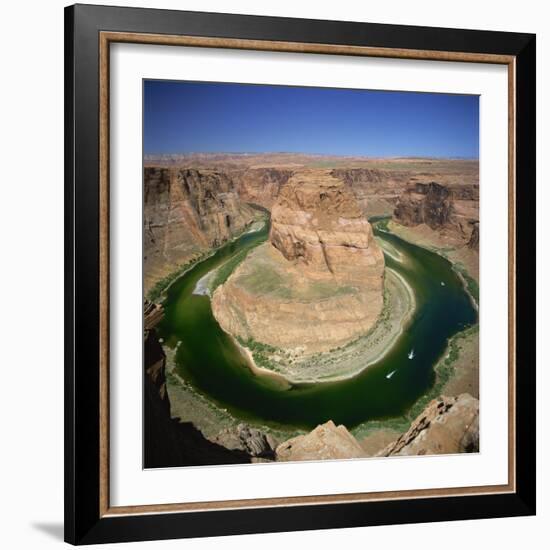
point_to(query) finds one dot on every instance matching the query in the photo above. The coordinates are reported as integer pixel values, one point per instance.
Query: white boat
(411, 354)
(442, 283)
(388, 376)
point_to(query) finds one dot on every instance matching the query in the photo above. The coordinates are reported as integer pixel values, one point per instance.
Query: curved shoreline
(260, 371)
(188, 266)
(475, 305)
(388, 345)
(211, 412)
(437, 251)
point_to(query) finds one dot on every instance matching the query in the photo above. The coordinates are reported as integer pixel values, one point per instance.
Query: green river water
(208, 359)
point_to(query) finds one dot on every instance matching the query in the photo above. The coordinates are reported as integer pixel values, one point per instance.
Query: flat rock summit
(318, 282)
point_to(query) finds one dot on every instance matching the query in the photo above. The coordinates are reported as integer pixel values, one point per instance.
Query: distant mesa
(318, 282)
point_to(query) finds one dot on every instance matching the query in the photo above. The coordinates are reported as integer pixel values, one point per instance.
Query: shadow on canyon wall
(167, 441)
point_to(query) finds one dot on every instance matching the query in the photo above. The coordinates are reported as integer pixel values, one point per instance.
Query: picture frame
(90, 31)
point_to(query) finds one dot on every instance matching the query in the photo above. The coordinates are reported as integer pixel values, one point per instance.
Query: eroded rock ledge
(326, 441)
(448, 425)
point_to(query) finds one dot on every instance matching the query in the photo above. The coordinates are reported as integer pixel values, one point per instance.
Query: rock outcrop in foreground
(318, 283)
(326, 441)
(249, 440)
(448, 425)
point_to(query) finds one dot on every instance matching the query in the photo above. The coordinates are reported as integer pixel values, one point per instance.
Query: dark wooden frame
(88, 32)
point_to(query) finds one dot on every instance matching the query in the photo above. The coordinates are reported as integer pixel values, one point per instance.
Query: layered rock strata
(376, 190)
(318, 283)
(474, 237)
(451, 209)
(187, 212)
(261, 185)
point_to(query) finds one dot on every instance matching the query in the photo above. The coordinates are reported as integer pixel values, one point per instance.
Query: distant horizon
(307, 154)
(185, 118)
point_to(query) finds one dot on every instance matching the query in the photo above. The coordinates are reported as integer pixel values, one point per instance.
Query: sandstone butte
(317, 283)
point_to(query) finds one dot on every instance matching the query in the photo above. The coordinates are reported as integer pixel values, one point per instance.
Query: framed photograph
(300, 274)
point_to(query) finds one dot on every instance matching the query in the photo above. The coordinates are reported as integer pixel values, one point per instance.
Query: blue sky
(185, 117)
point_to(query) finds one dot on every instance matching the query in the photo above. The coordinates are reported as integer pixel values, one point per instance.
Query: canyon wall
(187, 212)
(451, 209)
(167, 441)
(376, 190)
(260, 185)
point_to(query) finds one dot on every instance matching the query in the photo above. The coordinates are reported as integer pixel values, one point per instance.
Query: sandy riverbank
(350, 360)
(421, 235)
(187, 404)
(259, 371)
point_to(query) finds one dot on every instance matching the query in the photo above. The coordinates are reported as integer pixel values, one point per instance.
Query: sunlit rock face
(260, 185)
(317, 223)
(326, 441)
(318, 282)
(187, 212)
